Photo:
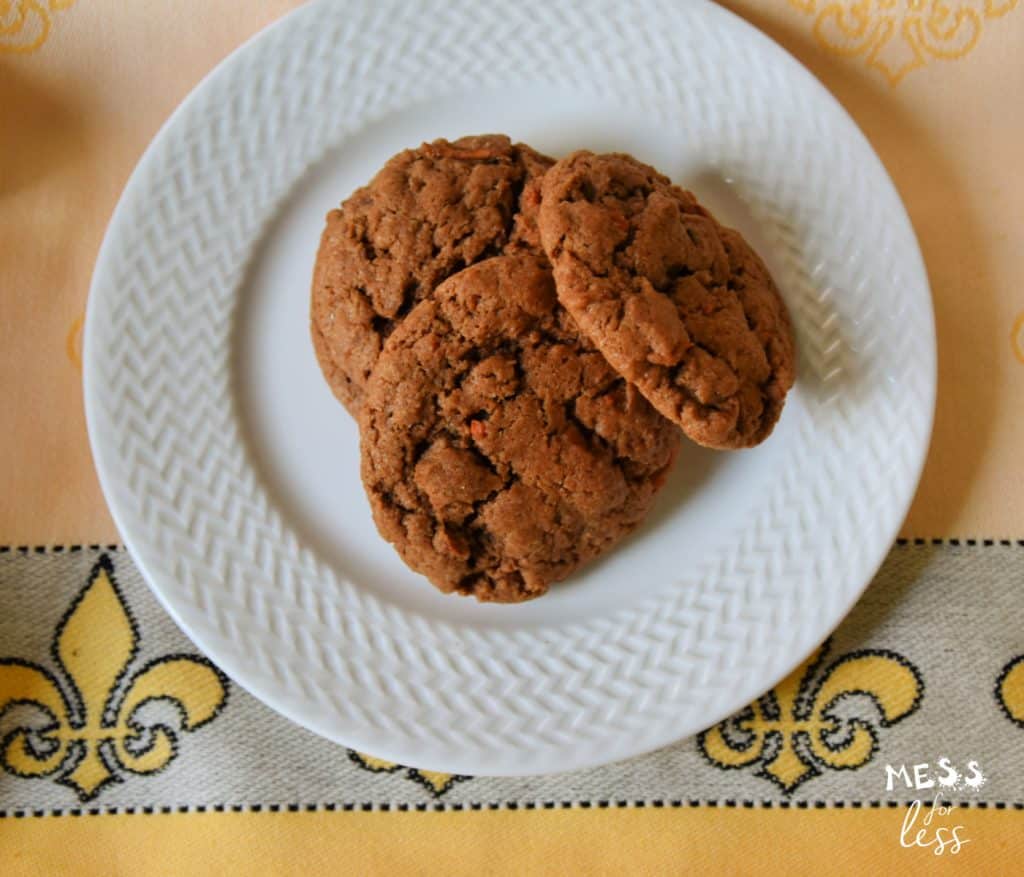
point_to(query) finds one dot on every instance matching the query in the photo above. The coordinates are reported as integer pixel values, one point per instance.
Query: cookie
(679, 305)
(499, 449)
(428, 213)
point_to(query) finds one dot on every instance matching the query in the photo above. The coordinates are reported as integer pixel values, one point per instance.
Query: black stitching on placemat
(956, 542)
(58, 549)
(459, 807)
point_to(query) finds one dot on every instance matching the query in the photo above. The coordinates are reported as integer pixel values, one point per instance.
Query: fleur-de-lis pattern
(434, 782)
(803, 727)
(897, 36)
(822, 735)
(73, 342)
(1017, 337)
(89, 728)
(1010, 690)
(26, 24)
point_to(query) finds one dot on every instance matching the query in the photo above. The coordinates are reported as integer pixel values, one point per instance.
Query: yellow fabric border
(614, 841)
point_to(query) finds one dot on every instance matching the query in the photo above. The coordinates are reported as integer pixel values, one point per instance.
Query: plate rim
(107, 477)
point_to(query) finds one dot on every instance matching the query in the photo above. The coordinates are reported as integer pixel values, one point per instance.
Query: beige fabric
(950, 133)
(75, 116)
(889, 658)
(84, 86)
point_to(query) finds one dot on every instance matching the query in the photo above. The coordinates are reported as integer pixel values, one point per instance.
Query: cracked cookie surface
(678, 304)
(499, 449)
(428, 213)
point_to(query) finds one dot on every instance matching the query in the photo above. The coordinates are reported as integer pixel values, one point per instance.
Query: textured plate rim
(109, 476)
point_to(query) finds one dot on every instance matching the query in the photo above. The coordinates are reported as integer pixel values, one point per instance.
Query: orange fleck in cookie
(499, 449)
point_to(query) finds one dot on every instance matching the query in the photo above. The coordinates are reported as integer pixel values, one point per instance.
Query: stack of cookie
(523, 341)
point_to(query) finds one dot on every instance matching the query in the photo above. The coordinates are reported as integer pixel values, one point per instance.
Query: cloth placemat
(122, 750)
(929, 664)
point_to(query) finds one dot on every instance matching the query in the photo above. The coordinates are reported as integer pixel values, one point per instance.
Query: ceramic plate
(233, 475)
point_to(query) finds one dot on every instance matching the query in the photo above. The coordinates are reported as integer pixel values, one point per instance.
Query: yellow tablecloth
(936, 85)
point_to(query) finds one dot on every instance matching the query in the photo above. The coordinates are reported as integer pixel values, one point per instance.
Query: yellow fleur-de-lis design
(898, 36)
(73, 342)
(434, 782)
(794, 732)
(25, 24)
(1010, 690)
(91, 729)
(1017, 337)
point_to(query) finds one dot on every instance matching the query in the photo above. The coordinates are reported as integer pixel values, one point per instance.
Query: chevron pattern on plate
(159, 361)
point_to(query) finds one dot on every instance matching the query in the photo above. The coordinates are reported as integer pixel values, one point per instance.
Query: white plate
(233, 475)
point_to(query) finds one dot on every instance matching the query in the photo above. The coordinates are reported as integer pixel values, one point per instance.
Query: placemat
(122, 750)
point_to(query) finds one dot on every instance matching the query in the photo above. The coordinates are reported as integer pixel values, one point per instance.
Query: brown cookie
(679, 305)
(428, 213)
(499, 449)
